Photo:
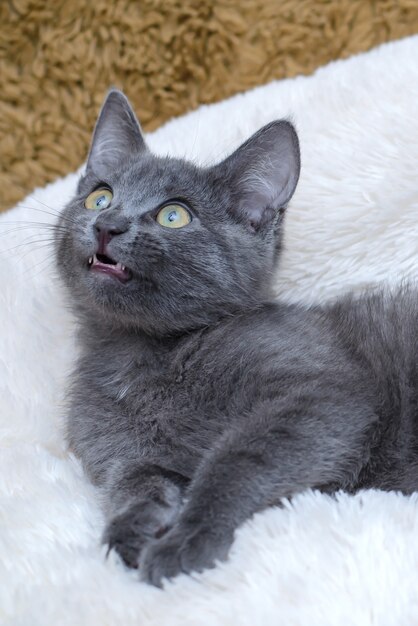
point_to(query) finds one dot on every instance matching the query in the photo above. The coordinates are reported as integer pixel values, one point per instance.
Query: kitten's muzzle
(106, 228)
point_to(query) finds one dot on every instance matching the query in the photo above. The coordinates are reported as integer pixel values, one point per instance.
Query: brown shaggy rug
(58, 58)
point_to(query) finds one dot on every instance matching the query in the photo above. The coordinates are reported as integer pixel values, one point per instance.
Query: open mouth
(105, 265)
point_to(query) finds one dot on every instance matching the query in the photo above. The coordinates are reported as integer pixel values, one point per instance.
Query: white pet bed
(353, 222)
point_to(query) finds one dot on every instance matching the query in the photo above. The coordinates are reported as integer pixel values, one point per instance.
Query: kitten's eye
(174, 216)
(99, 199)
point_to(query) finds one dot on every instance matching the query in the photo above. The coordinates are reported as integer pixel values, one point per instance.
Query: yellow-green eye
(99, 199)
(174, 216)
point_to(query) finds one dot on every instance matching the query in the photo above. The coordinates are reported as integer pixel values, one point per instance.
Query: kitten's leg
(252, 467)
(142, 502)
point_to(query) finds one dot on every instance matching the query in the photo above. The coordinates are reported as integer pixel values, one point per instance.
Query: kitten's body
(168, 402)
(197, 402)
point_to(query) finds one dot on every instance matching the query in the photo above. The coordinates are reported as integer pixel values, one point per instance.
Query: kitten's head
(165, 246)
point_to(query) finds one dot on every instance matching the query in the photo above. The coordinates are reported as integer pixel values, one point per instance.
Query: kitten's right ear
(116, 135)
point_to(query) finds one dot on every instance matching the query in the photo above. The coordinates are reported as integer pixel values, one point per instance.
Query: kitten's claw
(159, 562)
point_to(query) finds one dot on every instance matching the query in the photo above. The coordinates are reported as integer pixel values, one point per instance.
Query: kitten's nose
(107, 226)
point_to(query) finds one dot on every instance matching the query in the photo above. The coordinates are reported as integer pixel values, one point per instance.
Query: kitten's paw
(128, 533)
(182, 551)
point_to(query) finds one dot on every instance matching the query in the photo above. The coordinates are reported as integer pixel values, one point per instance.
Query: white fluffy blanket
(352, 223)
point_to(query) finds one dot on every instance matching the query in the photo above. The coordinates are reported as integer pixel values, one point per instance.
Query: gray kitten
(197, 400)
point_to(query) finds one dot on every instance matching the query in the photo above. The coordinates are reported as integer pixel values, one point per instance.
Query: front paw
(183, 550)
(128, 533)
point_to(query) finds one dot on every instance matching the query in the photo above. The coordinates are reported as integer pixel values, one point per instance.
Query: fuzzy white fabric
(352, 224)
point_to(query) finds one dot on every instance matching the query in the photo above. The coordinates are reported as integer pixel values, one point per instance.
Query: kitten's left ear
(117, 134)
(263, 173)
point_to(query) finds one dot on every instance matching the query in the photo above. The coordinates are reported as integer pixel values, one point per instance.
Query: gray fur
(197, 400)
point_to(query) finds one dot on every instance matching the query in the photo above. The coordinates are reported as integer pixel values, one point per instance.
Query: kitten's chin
(133, 307)
(126, 302)
(117, 289)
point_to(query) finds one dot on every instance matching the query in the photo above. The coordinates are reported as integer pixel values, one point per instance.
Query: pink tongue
(110, 270)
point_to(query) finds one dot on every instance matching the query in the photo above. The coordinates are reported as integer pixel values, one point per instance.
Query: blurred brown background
(58, 58)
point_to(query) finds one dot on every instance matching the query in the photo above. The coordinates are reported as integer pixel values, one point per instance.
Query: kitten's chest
(189, 399)
(175, 395)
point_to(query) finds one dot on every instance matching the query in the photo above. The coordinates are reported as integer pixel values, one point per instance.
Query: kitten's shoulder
(270, 329)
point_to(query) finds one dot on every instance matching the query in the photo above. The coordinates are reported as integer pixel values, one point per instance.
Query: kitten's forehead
(148, 182)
